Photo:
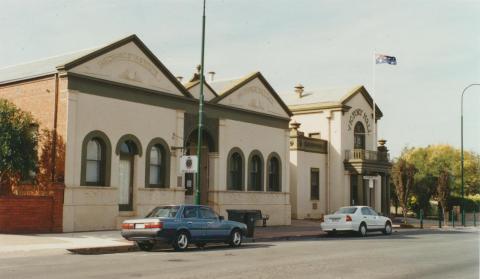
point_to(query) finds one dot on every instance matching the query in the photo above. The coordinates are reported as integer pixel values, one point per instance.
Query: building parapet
(298, 141)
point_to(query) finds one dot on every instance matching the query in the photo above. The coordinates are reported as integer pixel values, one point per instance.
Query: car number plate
(139, 226)
(335, 219)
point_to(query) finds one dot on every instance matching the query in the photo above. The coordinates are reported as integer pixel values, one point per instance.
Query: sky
(318, 43)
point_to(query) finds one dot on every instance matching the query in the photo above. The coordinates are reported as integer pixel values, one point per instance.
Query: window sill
(237, 191)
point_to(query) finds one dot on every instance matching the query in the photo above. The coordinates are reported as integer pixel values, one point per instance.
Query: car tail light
(348, 218)
(127, 226)
(154, 225)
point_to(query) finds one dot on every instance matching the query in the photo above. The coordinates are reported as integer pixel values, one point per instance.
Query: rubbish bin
(248, 217)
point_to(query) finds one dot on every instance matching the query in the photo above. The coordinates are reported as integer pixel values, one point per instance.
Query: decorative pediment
(255, 94)
(360, 99)
(129, 63)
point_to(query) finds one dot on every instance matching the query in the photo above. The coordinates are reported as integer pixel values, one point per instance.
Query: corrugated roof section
(222, 86)
(39, 67)
(325, 95)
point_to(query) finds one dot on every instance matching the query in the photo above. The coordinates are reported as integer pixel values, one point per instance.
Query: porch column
(378, 194)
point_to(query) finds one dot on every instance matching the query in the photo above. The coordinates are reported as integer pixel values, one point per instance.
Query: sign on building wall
(371, 179)
(359, 114)
(188, 164)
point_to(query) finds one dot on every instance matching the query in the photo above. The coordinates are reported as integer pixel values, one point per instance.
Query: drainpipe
(327, 188)
(54, 134)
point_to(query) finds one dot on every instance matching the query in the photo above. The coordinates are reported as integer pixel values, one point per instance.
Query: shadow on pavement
(162, 249)
(397, 234)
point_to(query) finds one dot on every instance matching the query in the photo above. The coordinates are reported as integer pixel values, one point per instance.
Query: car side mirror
(221, 218)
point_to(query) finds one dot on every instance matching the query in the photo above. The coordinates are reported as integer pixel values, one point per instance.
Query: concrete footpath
(103, 240)
(111, 241)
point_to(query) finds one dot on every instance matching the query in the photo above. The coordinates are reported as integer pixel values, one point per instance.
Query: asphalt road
(405, 254)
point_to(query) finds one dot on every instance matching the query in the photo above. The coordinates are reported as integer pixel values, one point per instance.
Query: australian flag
(380, 59)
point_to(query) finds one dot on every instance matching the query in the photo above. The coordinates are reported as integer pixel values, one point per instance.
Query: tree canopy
(434, 159)
(18, 142)
(439, 174)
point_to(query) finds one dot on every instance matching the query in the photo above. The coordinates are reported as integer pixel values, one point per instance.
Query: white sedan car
(361, 219)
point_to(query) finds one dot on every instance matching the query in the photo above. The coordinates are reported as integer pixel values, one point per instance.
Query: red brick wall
(30, 214)
(38, 97)
(25, 214)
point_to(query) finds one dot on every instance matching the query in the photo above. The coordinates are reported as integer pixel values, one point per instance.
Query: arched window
(255, 171)
(94, 161)
(274, 173)
(157, 164)
(96, 153)
(359, 136)
(235, 170)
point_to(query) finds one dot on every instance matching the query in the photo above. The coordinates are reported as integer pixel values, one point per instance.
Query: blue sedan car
(181, 225)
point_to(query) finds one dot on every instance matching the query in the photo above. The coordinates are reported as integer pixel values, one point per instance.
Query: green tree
(18, 144)
(431, 162)
(403, 175)
(443, 190)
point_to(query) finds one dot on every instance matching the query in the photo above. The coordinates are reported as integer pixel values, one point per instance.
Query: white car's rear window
(346, 210)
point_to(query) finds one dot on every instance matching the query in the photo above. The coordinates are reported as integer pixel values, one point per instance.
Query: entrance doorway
(126, 171)
(191, 149)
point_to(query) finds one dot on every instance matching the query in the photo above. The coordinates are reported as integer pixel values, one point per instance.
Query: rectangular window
(314, 184)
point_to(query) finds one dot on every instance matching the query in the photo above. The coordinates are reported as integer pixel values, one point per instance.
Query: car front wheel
(235, 238)
(388, 229)
(363, 230)
(181, 241)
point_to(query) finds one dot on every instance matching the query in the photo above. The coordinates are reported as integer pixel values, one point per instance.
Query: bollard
(421, 218)
(439, 219)
(453, 218)
(474, 217)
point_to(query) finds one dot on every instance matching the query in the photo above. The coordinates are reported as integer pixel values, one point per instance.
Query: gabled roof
(66, 62)
(328, 98)
(191, 84)
(226, 87)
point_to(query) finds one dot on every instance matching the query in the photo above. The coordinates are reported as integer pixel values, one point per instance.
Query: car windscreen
(346, 210)
(164, 211)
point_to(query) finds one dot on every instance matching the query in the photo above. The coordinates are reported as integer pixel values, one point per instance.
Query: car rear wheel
(235, 238)
(145, 245)
(181, 241)
(363, 230)
(331, 233)
(388, 229)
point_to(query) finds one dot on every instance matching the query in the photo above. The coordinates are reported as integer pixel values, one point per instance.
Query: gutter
(327, 196)
(54, 134)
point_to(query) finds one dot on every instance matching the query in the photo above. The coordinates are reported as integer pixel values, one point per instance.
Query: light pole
(200, 112)
(461, 144)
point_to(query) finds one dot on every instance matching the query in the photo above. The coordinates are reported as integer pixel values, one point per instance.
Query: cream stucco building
(334, 157)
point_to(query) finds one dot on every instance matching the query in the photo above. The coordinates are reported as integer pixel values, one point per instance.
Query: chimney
(179, 78)
(299, 90)
(212, 75)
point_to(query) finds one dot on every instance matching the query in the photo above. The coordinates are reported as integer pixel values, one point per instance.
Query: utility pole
(461, 140)
(200, 113)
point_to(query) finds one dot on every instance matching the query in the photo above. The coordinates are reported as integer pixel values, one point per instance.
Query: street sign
(188, 164)
(371, 177)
